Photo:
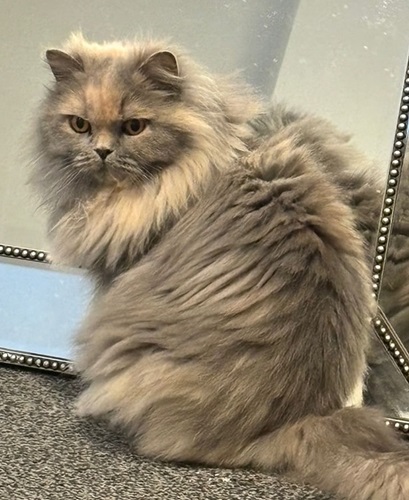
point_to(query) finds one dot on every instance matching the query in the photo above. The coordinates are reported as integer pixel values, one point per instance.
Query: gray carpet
(47, 453)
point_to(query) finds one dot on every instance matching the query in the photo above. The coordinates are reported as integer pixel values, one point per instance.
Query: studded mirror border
(392, 342)
(23, 253)
(382, 327)
(38, 361)
(27, 359)
(392, 188)
(398, 424)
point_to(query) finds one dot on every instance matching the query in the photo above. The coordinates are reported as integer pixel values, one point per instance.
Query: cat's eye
(79, 125)
(134, 126)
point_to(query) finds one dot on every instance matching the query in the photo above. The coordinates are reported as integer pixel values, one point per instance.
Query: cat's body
(233, 319)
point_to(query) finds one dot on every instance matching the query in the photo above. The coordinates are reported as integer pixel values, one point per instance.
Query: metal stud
(383, 239)
(377, 268)
(392, 182)
(384, 230)
(399, 144)
(400, 135)
(379, 258)
(390, 192)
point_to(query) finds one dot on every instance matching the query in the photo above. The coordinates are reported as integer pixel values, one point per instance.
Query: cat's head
(114, 114)
(141, 118)
(123, 113)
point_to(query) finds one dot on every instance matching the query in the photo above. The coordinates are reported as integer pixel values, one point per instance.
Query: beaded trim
(392, 342)
(391, 192)
(37, 361)
(23, 253)
(27, 359)
(398, 424)
(383, 329)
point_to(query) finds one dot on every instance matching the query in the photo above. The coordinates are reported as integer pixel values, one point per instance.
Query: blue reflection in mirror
(41, 307)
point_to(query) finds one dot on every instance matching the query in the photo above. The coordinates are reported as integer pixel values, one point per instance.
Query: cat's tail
(351, 453)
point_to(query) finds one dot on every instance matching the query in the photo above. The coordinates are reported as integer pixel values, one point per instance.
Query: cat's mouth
(112, 173)
(113, 170)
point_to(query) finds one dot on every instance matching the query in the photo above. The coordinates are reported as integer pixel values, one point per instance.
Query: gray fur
(233, 323)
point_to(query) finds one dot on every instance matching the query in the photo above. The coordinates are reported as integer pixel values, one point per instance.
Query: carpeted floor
(46, 453)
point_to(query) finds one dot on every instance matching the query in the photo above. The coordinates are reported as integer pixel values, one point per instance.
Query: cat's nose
(103, 152)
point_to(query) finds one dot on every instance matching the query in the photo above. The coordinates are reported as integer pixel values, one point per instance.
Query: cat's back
(333, 149)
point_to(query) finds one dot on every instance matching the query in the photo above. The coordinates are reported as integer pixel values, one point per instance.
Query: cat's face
(113, 118)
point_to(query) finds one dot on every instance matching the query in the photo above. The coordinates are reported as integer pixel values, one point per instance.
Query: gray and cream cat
(232, 317)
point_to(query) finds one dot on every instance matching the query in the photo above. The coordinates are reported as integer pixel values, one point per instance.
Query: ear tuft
(63, 65)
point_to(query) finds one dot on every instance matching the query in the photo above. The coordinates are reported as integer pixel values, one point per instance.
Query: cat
(231, 317)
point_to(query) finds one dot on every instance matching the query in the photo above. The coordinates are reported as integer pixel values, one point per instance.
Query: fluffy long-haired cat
(233, 310)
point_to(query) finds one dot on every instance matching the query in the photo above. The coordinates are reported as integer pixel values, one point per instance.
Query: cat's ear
(63, 65)
(163, 61)
(162, 67)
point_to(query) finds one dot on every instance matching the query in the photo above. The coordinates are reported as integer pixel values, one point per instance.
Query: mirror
(294, 51)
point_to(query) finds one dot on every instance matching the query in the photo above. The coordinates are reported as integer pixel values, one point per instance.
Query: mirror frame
(30, 359)
(397, 352)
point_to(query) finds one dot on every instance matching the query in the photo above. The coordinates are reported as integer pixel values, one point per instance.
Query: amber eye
(79, 125)
(134, 126)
